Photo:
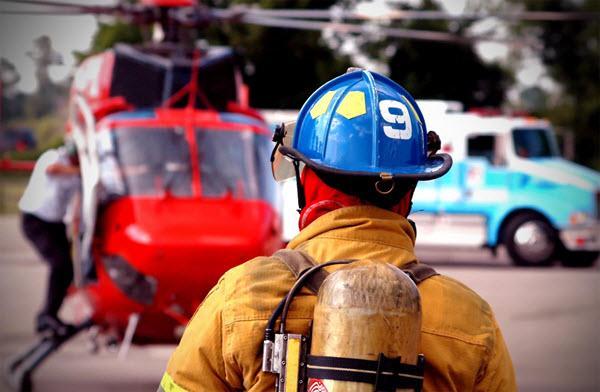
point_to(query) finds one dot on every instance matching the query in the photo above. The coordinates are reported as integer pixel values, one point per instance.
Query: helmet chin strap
(299, 186)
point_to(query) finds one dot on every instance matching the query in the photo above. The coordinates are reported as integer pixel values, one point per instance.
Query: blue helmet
(364, 124)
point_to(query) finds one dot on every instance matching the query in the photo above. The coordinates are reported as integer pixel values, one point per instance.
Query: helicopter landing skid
(19, 369)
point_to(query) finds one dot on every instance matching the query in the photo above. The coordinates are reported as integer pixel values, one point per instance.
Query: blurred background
(512, 87)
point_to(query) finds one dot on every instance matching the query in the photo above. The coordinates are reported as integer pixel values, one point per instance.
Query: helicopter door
(84, 129)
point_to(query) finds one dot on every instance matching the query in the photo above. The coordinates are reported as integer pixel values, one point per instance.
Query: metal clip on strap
(387, 374)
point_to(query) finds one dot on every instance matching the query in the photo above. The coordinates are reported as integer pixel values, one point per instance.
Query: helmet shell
(363, 123)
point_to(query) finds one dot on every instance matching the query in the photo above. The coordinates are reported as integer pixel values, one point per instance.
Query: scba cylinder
(364, 309)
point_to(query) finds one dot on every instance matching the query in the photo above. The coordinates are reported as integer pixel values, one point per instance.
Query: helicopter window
(152, 161)
(235, 164)
(110, 174)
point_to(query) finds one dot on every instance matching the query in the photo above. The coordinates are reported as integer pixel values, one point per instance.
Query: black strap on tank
(386, 374)
(298, 262)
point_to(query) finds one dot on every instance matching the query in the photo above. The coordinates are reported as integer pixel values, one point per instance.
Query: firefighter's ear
(434, 143)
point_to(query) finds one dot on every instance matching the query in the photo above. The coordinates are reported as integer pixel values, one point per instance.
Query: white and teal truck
(508, 186)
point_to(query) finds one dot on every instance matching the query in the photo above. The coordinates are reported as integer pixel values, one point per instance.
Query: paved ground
(550, 318)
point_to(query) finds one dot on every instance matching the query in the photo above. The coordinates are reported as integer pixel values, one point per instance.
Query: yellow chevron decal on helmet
(353, 105)
(322, 104)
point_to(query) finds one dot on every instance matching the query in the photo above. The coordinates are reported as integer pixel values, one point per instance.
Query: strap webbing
(387, 374)
(418, 272)
(298, 262)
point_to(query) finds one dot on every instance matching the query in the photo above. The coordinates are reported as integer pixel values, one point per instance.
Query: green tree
(571, 53)
(285, 65)
(109, 34)
(49, 96)
(440, 70)
(12, 100)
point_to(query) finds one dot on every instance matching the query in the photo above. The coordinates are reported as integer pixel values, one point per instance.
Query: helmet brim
(434, 167)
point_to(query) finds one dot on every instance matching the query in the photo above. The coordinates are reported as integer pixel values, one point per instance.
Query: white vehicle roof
(277, 116)
(454, 124)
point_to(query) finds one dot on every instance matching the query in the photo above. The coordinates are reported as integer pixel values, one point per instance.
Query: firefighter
(358, 148)
(53, 183)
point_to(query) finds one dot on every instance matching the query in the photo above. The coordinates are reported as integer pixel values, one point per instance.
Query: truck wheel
(530, 240)
(579, 259)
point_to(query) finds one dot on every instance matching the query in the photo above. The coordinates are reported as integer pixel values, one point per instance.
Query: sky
(74, 33)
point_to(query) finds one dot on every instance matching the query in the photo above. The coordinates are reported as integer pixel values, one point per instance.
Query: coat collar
(366, 224)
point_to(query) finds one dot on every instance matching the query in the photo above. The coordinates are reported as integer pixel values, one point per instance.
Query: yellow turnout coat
(221, 347)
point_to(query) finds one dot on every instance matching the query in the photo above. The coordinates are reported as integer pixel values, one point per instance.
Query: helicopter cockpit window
(147, 161)
(235, 164)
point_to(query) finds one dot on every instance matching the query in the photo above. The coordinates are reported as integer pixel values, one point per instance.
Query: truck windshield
(145, 161)
(534, 143)
(235, 164)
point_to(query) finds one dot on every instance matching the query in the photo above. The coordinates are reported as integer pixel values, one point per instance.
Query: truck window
(533, 143)
(481, 146)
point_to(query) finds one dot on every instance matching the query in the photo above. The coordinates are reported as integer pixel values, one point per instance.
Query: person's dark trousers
(50, 240)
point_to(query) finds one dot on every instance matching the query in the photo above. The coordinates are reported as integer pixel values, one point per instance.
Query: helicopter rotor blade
(334, 13)
(423, 35)
(56, 7)
(41, 12)
(353, 28)
(136, 13)
(56, 4)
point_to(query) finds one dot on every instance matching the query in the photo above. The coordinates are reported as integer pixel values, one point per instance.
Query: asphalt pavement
(550, 318)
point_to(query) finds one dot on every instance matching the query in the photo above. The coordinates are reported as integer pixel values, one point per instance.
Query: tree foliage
(285, 66)
(447, 71)
(109, 34)
(12, 100)
(571, 53)
(439, 70)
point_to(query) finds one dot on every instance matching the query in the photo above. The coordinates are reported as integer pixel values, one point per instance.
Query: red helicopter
(176, 185)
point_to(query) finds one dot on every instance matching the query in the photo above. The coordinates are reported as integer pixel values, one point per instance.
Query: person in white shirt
(53, 183)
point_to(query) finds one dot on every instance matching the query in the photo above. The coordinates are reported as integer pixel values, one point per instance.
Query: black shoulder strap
(418, 272)
(298, 262)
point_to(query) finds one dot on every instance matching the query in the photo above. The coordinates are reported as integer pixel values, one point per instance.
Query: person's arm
(62, 169)
(197, 363)
(499, 374)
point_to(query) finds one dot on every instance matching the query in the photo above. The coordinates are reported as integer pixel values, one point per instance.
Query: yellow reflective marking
(292, 365)
(353, 105)
(322, 104)
(168, 385)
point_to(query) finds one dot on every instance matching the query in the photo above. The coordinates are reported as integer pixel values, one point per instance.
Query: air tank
(364, 309)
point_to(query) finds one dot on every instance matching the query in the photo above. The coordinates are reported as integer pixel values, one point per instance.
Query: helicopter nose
(189, 243)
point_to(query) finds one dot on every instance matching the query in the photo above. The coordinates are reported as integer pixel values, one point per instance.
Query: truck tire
(578, 259)
(530, 240)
